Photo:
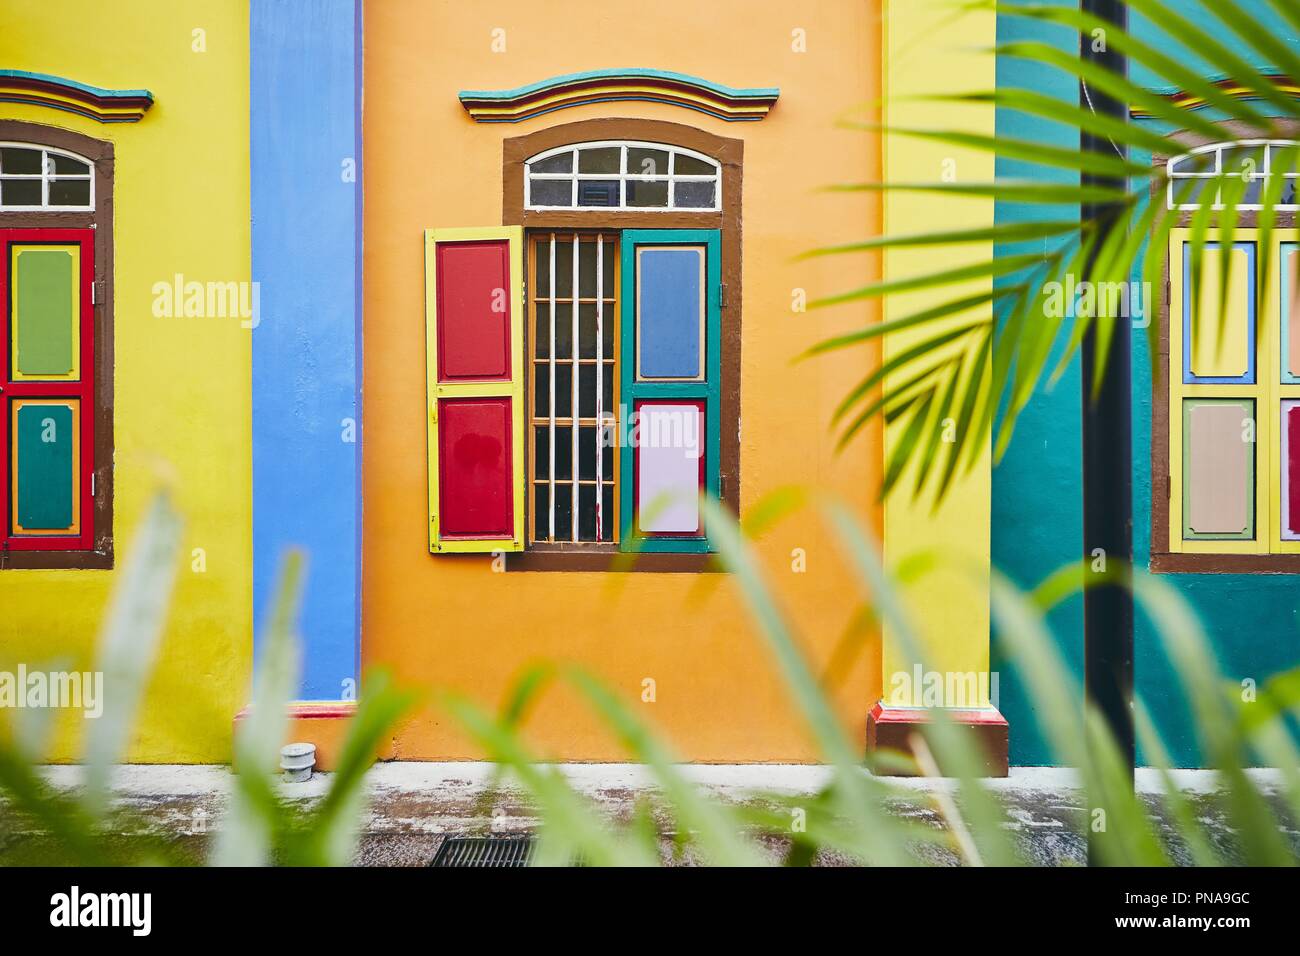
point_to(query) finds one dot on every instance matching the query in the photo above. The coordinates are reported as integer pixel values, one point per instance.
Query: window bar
(551, 443)
(573, 199)
(575, 417)
(672, 180)
(600, 381)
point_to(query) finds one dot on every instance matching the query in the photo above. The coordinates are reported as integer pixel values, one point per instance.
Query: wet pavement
(413, 807)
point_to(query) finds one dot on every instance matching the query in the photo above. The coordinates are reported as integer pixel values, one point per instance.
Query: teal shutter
(671, 369)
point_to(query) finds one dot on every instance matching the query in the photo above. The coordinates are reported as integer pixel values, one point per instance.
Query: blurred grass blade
(1189, 826)
(716, 830)
(129, 641)
(332, 835)
(255, 818)
(856, 797)
(1185, 645)
(571, 827)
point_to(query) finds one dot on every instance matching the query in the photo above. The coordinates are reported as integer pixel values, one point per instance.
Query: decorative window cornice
(105, 106)
(605, 86)
(1231, 87)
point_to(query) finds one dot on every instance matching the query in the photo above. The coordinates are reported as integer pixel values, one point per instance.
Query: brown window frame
(1163, 560)
(100, 219)
(730, 154)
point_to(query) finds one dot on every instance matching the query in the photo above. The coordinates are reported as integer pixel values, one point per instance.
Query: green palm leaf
(1034, 344)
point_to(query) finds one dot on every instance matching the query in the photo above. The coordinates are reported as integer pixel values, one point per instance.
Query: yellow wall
(450, 621)
(931, 50)
(181, 385)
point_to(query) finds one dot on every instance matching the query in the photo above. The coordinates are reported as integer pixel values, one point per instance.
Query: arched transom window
(1199, 175)
(35, 177)
(622, 175)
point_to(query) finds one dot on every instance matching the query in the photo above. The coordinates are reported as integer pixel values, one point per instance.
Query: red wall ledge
(891, 728)
(323, 723)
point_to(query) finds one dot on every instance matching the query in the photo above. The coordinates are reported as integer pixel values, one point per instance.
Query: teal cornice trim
(71, 96)
(604, 86)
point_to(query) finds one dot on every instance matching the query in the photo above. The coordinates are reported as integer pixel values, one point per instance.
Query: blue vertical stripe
(306, 207)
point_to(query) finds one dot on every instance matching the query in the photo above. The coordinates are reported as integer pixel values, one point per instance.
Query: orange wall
(451, 622)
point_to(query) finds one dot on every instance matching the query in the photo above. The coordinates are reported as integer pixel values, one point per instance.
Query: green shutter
(45, 438)
(45, 312)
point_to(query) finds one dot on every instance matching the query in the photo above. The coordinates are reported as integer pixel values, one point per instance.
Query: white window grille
(573, 335)
(40, 178)
(1201, 173)
(622, 175)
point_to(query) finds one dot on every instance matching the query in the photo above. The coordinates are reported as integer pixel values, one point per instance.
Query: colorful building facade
(1220, 535)
(124, 191)
(469, 302)
(392, 383)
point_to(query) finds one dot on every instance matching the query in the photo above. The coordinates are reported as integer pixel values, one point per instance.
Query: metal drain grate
(509, 851)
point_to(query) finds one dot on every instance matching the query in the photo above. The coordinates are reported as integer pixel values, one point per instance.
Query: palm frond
(1037, 248)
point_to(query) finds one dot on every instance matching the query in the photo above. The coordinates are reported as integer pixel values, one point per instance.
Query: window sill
(1185, 563)
(552, 558)
(56, 560)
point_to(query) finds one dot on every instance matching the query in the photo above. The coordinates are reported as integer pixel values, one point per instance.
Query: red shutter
(47, 389)
(474, 339)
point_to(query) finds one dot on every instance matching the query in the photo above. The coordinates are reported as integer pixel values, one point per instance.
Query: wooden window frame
(1163, 559)
(100, 219)
(729, 154)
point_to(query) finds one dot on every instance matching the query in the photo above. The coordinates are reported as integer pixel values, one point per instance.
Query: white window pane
(559, 163)
(690, 166)
(20, 160)
(694, 195)
(601, 159)
(670, 445)
(551, 192)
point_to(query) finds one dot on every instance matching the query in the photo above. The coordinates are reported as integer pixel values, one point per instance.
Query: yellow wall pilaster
(931, 47)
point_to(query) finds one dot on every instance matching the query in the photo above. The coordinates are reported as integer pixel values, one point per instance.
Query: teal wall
(1037, 516)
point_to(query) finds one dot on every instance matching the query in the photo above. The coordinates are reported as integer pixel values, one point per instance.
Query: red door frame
(83, 390)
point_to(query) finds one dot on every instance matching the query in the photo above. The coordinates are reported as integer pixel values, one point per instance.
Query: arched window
(584, 374)
(622, 175)
(42, 178)
(1206, 167)
(56, 285)
(1226, 408)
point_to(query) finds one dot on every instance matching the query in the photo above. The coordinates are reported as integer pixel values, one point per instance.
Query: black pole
(1107, 454)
